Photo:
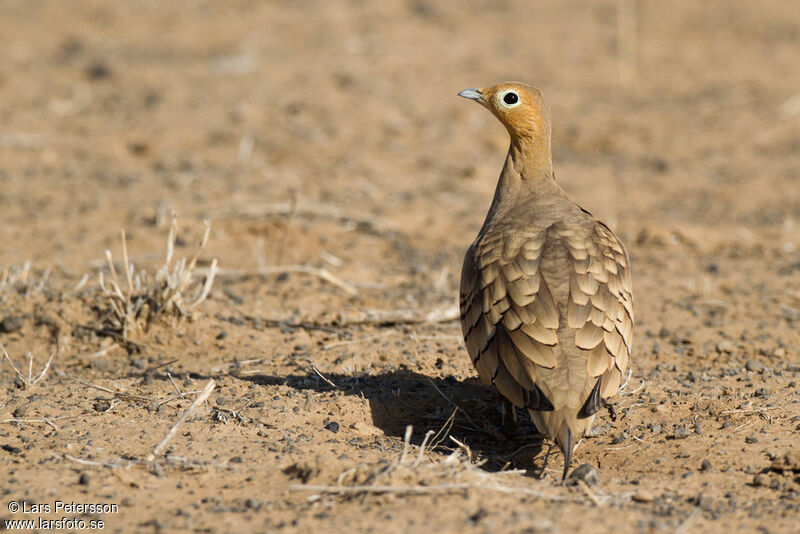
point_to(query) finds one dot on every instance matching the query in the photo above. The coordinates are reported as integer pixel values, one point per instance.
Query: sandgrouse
(546, 299)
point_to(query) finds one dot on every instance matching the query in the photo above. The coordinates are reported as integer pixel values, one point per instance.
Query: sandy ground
(328, 135)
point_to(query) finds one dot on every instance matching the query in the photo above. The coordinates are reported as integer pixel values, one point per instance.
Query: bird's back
(544, 293)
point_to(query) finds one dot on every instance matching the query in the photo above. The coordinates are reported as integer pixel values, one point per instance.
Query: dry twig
(122, 395)
(395, 317)
(325, 378)
(44, 420)
(437, 488)
(321, 273)
(94, 463)
(186, 414)
(308, 210)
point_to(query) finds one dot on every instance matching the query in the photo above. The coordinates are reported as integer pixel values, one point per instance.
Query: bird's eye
(510, 99)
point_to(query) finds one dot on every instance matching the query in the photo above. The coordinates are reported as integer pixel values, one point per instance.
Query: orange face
(521, 108)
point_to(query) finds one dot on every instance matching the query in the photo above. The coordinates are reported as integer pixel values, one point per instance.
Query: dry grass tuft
(175, 290)
(28, 380)
(426, 473)
(22, 279)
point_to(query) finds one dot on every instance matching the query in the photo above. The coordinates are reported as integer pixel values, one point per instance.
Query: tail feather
(564, 428)
(565, 442)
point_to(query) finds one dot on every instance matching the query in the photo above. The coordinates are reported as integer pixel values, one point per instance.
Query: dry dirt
(329, 135)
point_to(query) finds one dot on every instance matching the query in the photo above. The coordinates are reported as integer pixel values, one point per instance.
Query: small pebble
(725, 346)
(705, 466)
(705, 501)
(761, 392)
(586, 473)
(10, 323)
(333, 426)
(83, 480)
(680, 433)
(754, 366)
(11, 449)
(790, 313)
(158, 470)
(751, 439)
(478, 516)
(643, 496)
(97, 70)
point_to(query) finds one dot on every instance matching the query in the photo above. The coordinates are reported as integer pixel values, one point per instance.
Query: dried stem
(202, 397)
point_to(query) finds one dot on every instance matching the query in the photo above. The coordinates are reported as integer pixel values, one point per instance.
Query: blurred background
(664, 113)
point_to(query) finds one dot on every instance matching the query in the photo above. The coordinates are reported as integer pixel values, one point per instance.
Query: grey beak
(472, 94)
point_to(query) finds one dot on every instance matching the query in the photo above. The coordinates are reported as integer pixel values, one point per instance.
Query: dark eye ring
(510, 98)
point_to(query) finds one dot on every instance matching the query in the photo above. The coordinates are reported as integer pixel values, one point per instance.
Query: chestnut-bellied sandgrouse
(546, 300)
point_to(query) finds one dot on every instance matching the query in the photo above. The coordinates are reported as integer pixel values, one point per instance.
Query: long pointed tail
(565, 442)
(564, 428)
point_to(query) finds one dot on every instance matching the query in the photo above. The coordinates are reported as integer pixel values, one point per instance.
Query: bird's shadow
(403, 397)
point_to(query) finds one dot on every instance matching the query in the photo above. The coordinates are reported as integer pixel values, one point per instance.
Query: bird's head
(521, 108)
